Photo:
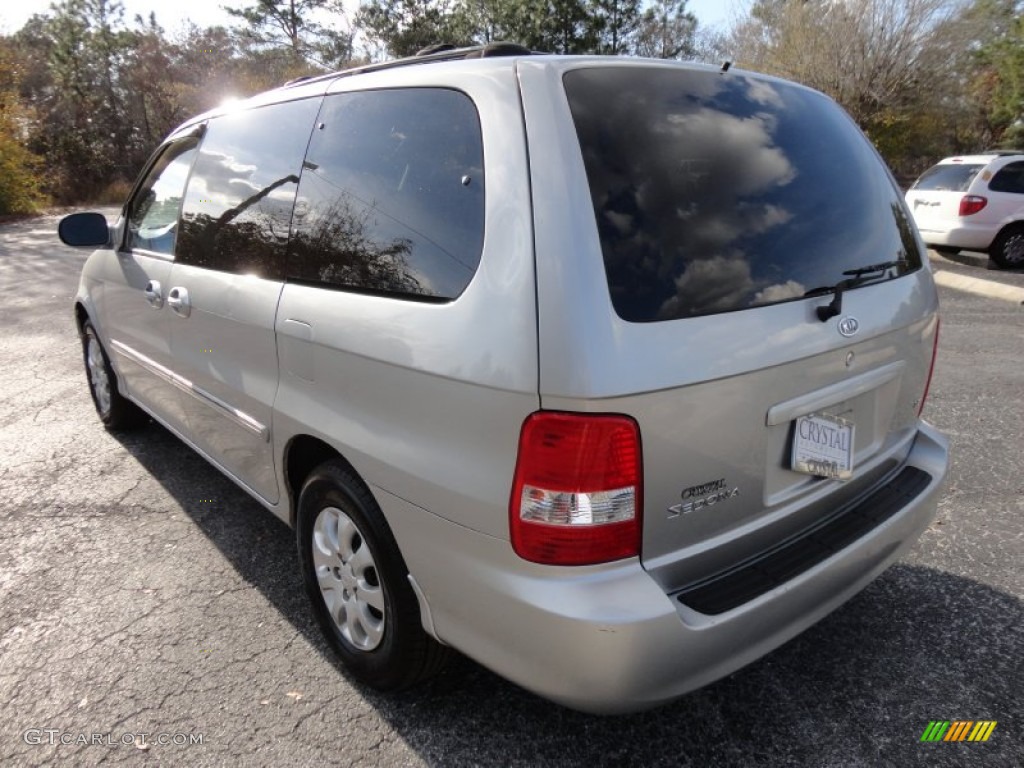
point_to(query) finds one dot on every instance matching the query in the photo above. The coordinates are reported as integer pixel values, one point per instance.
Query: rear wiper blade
(881, 267)
(855, 277)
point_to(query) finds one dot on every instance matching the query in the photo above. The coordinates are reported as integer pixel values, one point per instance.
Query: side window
(392, 194)
(153, 212)
(1010, 178)
(239, 201)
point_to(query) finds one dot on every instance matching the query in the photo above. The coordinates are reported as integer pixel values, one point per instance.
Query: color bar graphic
(982, 730)
(958, 730)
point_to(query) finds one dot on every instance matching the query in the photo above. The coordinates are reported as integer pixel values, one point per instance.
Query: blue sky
(713, 12)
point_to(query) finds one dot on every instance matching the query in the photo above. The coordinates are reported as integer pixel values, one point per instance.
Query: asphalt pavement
(152, 613)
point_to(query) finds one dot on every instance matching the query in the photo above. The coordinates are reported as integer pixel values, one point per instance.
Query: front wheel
(1008, 248)
(115, 411)
(358, 583)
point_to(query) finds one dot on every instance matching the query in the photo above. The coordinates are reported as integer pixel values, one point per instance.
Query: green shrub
(19, 183)
(115, 193)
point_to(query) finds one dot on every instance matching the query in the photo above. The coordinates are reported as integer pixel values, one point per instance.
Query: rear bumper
(608, 639)
(967, 237)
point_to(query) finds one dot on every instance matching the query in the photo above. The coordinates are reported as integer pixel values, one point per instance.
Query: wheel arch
(302, 454)
(1006, 227)
(81, 316)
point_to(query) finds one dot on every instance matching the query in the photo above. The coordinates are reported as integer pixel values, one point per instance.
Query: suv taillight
(931, 367)
(577, 492)
(971, 204)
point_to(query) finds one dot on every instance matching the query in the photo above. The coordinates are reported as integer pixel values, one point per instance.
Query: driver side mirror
(84, 229)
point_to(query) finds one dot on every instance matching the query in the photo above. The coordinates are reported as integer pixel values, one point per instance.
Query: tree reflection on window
(337, 240)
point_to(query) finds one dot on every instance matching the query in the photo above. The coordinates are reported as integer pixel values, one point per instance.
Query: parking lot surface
(147, 604)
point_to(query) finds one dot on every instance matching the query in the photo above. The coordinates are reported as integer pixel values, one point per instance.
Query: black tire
(115, 411)
(945, 250)
(1007, 249)
(386, 649)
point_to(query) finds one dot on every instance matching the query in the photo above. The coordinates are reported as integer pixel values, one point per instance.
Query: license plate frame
(823, 446)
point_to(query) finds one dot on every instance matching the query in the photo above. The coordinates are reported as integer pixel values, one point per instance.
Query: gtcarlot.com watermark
(141, 740)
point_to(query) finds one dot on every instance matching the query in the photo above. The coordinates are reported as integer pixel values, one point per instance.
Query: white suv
(975, 203)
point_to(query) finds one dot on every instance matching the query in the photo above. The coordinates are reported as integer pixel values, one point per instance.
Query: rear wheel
(358, 583)
(115, 411)
(1008, 248)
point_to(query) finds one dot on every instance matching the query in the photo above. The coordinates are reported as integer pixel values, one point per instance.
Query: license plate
(823, 446)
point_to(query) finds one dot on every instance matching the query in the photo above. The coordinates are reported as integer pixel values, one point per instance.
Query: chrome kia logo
(848, 326)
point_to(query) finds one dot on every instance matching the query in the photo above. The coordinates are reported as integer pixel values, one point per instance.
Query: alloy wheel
(348, 580)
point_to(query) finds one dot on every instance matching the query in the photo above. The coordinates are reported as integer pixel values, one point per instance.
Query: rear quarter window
(947, 178)
(715, 193)
(1010, 178)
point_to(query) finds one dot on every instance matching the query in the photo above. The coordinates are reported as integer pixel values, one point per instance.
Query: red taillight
(931, 367)
(971, 204)
(576, 497)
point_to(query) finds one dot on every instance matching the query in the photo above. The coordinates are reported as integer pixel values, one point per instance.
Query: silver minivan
(606, 373)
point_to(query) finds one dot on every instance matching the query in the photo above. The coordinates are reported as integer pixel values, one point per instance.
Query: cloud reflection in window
(719, 192)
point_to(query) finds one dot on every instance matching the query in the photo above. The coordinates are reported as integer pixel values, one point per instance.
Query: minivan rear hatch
(935, 197)
(706, 219)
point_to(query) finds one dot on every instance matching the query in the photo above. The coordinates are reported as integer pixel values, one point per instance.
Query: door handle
(154, 294)
(177, 300)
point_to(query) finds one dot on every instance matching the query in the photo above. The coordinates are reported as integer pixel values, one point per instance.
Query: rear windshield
(948, 178)
(720, 192)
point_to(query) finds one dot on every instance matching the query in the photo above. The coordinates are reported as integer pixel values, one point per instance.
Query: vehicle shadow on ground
(859, 688)
(978, 259)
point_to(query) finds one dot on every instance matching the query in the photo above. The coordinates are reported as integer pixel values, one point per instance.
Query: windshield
(947, 178)
(716, 193)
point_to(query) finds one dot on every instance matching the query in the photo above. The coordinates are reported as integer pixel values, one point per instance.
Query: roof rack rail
(439, 52)
(438, 48)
